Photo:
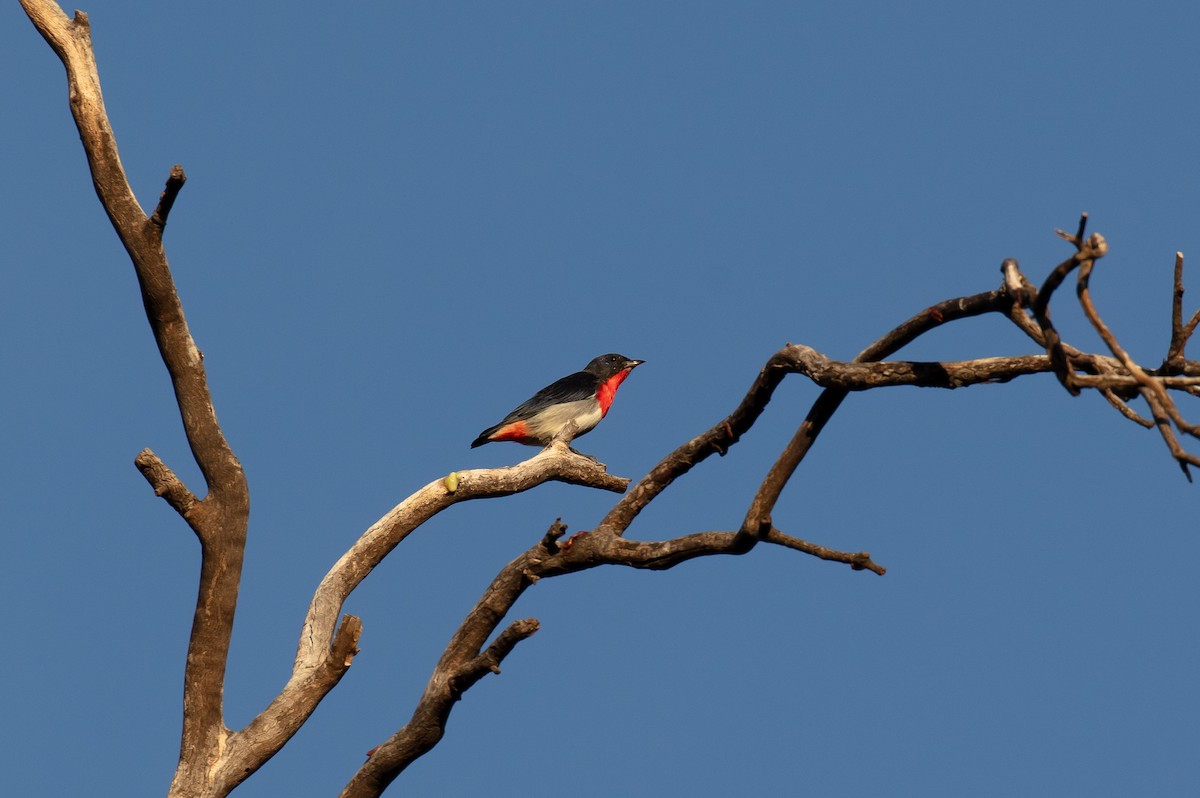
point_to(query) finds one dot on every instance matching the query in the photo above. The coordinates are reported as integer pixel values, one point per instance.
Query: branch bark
(220, 518)
(214, 759)
(606, 544)
(323, 654)
(462, 662)
(758, 515)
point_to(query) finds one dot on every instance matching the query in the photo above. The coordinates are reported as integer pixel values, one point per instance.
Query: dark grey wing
(571, 388)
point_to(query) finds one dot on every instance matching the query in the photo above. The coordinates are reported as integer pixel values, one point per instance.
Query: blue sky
(401, 219)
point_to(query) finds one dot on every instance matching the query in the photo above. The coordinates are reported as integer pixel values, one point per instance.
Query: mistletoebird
(583, 397)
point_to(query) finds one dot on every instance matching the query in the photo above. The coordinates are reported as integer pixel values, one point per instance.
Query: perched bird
(583, 397)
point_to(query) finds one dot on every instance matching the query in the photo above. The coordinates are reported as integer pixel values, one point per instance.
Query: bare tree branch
(220, 518)
(544, 559)
(1087, 251)
(606, 545)
(1162, 407)
(831, 398)
(858, 561)
(555, 463)
(1180, 332)
(1118, 403)
(214, 759)
(165, 483)
(166, 200)
(726, 432)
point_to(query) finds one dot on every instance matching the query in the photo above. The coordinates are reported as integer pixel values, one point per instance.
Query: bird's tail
(484, 437)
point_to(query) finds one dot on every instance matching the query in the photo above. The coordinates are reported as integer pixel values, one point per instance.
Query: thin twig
(1124, 409)
(1180, 333)
(859, 561)
(1162, 407)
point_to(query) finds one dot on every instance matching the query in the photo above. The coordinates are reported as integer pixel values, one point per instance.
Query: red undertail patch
(516, 431)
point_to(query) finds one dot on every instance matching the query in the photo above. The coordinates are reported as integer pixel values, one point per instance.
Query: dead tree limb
(214, 759)
(546, 558)
(607, 545)
(1153, 390)
(220, 518)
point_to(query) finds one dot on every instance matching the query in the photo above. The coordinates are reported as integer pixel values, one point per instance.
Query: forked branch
(220, 518)
(466, 653)
(1153, 389)
(214, 759)
(607, 545)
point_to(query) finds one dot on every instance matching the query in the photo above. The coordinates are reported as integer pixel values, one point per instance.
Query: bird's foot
(588, 456)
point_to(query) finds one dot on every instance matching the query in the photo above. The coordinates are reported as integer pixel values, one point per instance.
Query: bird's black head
(606, 366)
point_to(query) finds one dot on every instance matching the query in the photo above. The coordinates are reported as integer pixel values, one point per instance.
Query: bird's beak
(630, 364)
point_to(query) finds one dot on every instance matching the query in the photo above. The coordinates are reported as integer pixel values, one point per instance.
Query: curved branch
(607, 545)
(556, 462)
(759, 512)
(213, 759)
(716, 440)
(1086, 252)
(320, 663)
(728, 431)
(463, 662)
(840, 378)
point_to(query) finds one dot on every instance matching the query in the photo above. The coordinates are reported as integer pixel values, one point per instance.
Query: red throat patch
(608, 390)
